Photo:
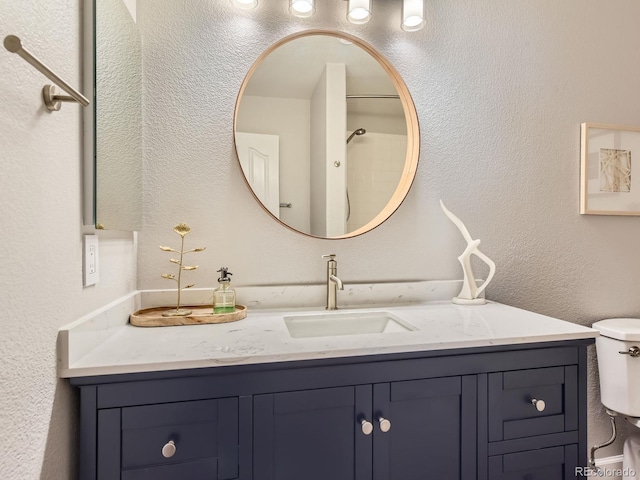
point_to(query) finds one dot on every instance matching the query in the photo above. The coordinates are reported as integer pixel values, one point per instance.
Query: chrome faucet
(333, 282)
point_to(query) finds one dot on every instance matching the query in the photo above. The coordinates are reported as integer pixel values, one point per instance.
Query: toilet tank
(619, 373)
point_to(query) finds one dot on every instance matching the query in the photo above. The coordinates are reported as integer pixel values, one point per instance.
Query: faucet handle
(330, 256)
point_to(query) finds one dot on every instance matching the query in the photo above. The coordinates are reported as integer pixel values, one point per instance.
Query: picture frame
(610, 169)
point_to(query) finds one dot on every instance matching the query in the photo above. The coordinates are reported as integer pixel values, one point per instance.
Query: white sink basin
(348, 323)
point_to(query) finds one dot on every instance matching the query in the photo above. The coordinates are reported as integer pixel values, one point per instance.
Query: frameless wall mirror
(113, 134)
(326, 134)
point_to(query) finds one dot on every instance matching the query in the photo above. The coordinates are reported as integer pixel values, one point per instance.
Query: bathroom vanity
(460, 414)
(486, 392)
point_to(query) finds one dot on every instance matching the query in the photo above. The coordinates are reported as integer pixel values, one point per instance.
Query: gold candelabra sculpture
(181, 229)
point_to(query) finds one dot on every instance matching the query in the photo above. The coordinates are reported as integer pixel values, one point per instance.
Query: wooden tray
(152, 317)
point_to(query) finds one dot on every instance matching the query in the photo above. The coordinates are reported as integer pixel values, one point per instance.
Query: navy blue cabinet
(312, 434)
(433, 429)
(409, 430)
(497, 413)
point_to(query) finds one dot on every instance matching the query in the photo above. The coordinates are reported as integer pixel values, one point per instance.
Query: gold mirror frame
(411, 118)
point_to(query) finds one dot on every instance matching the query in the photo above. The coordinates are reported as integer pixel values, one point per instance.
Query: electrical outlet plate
(90, 260)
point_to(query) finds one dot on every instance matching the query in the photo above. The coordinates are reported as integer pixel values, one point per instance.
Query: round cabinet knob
(385, 425)
(169, 450)
(539, 404)
(367, 427)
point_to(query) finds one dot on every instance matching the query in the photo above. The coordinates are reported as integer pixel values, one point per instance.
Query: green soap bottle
(224, 297)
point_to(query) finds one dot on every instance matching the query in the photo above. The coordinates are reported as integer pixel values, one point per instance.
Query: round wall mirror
(326, 134)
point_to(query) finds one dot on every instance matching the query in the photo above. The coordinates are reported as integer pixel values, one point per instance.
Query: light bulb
(412, 15)
(245, 3)
(302, 8)
(359, 11)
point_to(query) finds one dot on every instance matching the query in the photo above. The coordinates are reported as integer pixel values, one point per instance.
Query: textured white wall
(41, 237)
(500, 87)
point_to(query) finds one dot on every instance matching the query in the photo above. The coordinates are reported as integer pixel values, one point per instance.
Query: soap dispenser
(224, 297)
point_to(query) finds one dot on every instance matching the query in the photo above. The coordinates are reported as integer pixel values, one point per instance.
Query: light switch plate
(90, 260)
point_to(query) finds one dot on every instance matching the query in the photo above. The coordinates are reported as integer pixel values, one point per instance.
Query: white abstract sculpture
(469, 295)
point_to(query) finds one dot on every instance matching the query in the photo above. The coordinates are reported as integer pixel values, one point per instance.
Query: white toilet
(618, 348)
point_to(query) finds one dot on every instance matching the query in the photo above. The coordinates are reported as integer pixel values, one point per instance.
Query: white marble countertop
(103, 343)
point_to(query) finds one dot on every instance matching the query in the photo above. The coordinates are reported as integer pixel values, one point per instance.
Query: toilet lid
(619, 328)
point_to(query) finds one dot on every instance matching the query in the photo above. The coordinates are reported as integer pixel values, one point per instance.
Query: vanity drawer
(511, 411)
(556, 463)
(204, 435)
(206, 469)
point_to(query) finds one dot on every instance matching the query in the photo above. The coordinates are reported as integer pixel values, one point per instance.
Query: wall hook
(52, 101)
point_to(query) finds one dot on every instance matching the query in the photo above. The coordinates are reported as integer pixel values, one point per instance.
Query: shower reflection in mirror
(375, 155)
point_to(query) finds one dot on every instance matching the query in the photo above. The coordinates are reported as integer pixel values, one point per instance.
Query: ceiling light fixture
(245, 3)
(302, 8)
(359, 11)
(412, 15)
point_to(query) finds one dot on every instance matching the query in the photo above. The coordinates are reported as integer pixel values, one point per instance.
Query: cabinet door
(312, 435)
(432, 432)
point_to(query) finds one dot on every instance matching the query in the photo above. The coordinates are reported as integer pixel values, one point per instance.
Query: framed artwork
(610, 170)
